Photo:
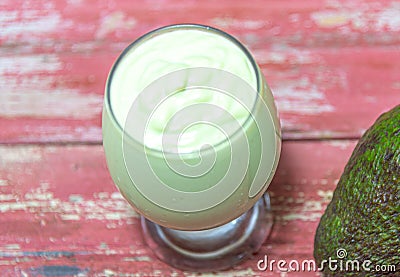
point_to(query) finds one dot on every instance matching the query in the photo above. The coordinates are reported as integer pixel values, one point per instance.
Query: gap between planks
(94, 143)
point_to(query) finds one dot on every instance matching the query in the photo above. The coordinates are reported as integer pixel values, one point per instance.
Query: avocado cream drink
(170, 52)
(185, 143)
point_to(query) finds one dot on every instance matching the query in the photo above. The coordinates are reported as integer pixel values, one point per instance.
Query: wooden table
(333, 67)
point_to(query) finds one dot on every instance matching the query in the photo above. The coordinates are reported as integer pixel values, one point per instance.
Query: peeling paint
(7, 197)
(115, 21)
(362, 17)
(13, 246)
(109, 273)
(329, 19)
(341, 144)
(301, 97)
(326, 195)
(35, 95)
(4, 183)
(389, 18)
(11, 155)
(24, 24)
(228, 22)
(103, 245)
(107, 208)
(29, 64)
(117, 195)
(17, 206)
(70, 217)
(324, 182)
(39, 196)
(2, 262)
(61, 104)
(302, 217)
(75, 198)
(137, 259)
(311, 206)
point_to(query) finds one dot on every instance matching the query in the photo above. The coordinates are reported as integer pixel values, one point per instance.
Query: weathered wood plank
(320, 93)
(319, 58)
(60, 212)
(94, 23)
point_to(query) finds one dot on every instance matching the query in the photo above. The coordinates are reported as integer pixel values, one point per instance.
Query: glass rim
(167, 28)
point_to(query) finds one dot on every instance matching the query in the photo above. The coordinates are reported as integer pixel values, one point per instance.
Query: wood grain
(62, 213)
(333, 67)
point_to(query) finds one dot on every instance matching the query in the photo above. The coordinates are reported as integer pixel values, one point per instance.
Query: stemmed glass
(192, 140)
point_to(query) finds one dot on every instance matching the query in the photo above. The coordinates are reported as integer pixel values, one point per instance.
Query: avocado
(361, 224)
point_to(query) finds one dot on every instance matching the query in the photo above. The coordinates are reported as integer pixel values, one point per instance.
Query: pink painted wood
(333, 67)
(61, 212)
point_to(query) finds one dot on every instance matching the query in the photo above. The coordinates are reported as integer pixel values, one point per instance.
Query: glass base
(213, 249)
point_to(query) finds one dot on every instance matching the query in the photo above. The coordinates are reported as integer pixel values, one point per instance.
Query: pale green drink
(198, 197)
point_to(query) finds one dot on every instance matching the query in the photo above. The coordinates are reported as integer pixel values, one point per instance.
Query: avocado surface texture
(363, 217)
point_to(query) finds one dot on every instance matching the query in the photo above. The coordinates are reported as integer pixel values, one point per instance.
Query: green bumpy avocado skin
(364, 215)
